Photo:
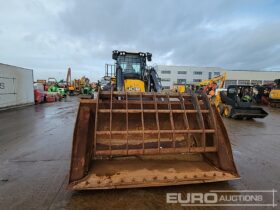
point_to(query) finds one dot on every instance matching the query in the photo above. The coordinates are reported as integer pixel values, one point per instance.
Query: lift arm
(155, 80)
(216, 79)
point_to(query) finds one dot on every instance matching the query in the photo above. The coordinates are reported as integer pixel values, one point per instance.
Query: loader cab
(243, 93)
(231, 91)
(131, 70)
(132, 65)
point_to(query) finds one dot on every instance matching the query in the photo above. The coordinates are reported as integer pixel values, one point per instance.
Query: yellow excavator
(210, 85)
(135, 135)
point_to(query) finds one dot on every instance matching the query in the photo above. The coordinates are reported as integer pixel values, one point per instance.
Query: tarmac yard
(35, 150)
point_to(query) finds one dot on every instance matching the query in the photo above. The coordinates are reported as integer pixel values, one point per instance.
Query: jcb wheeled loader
(135, 135)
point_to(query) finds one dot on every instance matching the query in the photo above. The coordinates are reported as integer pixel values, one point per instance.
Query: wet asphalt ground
(35, 150)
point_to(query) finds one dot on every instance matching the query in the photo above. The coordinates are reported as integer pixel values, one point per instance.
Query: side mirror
(149, 56)
(115, 54)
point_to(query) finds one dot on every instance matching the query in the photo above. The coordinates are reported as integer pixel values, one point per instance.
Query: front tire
(227, 111)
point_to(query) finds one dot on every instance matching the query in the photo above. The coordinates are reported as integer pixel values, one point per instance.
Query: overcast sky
(48, 36)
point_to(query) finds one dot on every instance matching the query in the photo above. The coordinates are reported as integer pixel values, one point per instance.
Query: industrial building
(16, 86)
(171, 74)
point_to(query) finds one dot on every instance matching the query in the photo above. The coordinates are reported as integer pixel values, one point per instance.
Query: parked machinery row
(52, 90)
(134, 134)
(241, 101)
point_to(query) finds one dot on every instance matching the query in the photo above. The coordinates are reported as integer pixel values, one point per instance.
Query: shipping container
(16, 86)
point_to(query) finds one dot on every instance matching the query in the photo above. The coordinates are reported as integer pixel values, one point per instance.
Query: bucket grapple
(248, 112)
(142, 139)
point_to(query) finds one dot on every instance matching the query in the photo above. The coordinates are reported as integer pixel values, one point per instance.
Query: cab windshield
(130, 64)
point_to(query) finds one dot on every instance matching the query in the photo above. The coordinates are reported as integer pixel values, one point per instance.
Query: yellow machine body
(179, 88)
(71, 88)
(274, 98)
(134, 85)
(275, 94)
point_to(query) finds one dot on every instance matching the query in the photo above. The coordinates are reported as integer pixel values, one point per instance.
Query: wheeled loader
(135, 135)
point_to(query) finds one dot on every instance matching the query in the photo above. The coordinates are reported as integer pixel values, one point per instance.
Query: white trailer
(16, 86)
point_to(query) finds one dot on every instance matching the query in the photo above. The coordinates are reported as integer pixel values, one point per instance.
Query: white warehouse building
(171, 75)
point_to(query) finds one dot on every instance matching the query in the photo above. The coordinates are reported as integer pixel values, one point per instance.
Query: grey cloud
(82, 33)
(164, 26)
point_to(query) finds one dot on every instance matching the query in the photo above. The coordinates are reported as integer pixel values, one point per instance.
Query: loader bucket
(248, 112)
(129, 139)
